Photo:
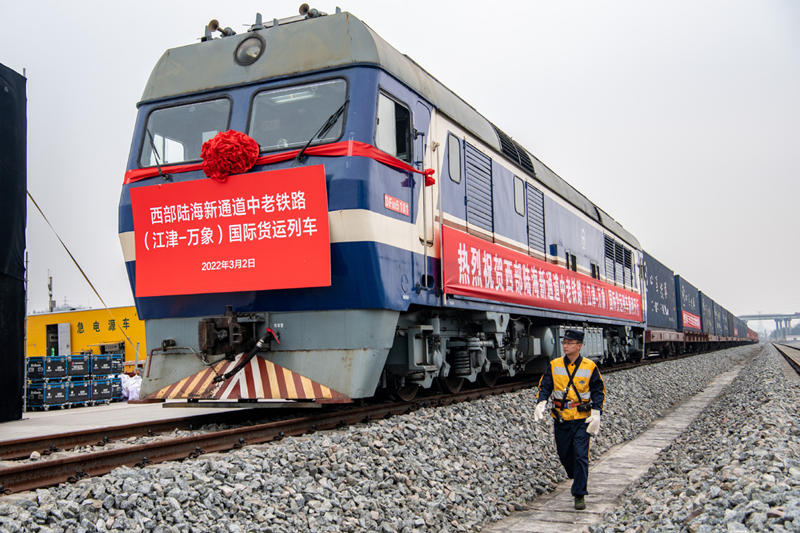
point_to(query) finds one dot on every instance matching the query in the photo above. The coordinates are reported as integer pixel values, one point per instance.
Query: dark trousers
(572, 443)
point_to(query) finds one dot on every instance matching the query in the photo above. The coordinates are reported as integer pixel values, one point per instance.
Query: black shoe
(580, 505)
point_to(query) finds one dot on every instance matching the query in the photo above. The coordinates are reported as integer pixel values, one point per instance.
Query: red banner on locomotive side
(259, 231)
(480, 269)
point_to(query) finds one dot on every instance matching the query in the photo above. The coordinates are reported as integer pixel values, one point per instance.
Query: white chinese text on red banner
(258, 231)
(480, 269)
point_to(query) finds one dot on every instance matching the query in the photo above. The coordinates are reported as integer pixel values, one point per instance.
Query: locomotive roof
(302, 45)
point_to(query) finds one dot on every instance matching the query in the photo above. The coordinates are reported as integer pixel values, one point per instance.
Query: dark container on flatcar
(720, 320)
(660, 294)
(707, 314)
(726, 325)
(687, 299)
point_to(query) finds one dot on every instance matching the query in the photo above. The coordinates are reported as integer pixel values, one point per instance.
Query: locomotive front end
(270, 278)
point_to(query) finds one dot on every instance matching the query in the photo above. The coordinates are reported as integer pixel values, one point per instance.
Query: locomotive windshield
(288, 117)
(178, 132)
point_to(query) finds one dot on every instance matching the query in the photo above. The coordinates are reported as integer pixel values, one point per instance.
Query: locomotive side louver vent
(514, 151)
(524, 159)
(507, 146)
(619, 256)
(628, 268)
(535, 211)
(609, 248)
(478, 172)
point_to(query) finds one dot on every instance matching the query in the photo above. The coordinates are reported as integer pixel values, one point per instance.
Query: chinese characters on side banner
(259, 231)
(477, 268)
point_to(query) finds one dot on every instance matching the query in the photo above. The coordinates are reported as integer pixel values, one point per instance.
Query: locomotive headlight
(249, 50)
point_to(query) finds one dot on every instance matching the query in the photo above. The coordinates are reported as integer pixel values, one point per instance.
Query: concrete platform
(612, 473)
(788, 371)
(41, 423)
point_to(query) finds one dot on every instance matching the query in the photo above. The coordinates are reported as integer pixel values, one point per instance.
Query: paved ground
(39, 423)
(610, 475)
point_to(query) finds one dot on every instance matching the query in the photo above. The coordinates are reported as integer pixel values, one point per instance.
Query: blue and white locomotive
(462, 274)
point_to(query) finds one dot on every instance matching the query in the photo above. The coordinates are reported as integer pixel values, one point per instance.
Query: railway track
(28, 476)
(791, 354)
(48, 444)
(44, 473)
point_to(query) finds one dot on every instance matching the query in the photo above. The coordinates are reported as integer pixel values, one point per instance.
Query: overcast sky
(678, 118)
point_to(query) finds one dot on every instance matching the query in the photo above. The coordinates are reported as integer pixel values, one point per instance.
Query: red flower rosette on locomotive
(229, 152)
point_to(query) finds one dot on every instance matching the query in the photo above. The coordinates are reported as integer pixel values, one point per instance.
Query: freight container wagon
(707, 314)
(687, 299)
(660, 294)
(720, 320)
(718, 325)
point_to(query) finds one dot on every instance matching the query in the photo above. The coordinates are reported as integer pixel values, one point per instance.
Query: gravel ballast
(735, 469)
(450, 468)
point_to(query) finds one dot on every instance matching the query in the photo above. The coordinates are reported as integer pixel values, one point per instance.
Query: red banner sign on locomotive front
(259, 231)
(477, 268)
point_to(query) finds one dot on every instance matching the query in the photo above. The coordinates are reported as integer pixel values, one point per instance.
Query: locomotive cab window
(176, 134)
(393, 128)
(288, 117)
(454, 158)
(519, 195)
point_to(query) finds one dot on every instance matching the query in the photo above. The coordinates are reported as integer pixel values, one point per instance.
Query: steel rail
(46, 444)
(793, 357)
(28, 476)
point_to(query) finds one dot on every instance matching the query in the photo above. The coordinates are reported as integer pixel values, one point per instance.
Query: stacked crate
(47, 383)
(106, 384)
(79, 385)
(59, 381)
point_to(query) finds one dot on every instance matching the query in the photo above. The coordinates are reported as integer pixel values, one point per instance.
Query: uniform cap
(573, 334)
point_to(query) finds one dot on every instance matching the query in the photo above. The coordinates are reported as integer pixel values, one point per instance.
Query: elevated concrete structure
(783, 322)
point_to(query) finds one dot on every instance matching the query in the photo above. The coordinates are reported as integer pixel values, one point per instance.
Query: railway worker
(578, 393)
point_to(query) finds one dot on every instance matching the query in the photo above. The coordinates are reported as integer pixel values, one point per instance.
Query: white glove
(538, 412)
(594, 423)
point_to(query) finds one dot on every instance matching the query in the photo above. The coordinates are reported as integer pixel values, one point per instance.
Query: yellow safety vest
(560, 374)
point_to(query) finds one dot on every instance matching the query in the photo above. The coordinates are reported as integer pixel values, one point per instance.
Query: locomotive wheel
(405, 392)
(451, 384)
(489, 379)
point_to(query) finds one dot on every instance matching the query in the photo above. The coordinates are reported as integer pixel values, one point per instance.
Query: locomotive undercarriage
(359, 353)
(453, 347)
